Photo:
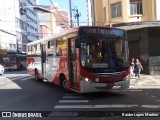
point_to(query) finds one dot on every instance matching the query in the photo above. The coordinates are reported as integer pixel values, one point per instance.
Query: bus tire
(36, 77)
(63, 84)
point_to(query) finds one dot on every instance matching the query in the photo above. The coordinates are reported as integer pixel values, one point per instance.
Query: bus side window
(61, 47)
(34, 49)
(29, 50)
(38, 50)
(52, 48)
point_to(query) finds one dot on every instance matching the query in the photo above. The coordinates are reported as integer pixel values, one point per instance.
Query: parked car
(1, 69)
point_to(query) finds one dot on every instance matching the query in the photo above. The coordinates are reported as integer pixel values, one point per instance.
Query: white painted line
(150, 106)
(27, 78)
(93, 106)
(158, 100)
(153, 96)
(75, 97)
(23, 78)
(17, 78)
(73, 101)
(128, 90)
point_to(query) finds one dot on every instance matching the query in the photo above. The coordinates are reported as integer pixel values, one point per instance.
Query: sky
(64, 4)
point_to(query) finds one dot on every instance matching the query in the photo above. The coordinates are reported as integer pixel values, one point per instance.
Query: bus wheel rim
(64, 84)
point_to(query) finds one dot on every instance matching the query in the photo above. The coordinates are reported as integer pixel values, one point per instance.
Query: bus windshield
(103, 52)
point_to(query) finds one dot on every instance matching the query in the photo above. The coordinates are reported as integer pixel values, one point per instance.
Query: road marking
(150, 106)
(23, 78)
(158, 100)
(153, 96)
(128, 90)
(30, 77)
(15, 78)
(73, 101)
(94, 106)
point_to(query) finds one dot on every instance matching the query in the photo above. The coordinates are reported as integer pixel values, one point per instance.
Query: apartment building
(90, 12)
(18, 26)
(108, 12)
(140, 19)
(54, 22)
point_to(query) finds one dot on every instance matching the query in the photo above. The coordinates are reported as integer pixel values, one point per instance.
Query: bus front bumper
(97, 87)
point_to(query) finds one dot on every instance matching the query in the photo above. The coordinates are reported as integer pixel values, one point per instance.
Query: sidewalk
(146, 81)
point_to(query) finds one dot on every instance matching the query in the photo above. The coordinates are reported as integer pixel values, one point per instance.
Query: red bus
(14, 61)
(82, 59)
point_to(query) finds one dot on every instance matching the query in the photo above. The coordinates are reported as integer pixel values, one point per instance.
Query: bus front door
(73, 64)
(43, 56)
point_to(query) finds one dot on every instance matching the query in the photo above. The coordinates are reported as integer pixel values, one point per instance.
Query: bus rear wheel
(64, 85)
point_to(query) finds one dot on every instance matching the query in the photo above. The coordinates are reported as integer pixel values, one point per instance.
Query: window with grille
(136, 7)
(116, 10)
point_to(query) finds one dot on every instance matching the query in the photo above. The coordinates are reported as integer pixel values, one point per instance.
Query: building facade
(140, 19)
(108, 12)
(90, 12)
(54, 22)
(62, 18)
(18, 24)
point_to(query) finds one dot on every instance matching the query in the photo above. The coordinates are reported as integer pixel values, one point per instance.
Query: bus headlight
(86, 79)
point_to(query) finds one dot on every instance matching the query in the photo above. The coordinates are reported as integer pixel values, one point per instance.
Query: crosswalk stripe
(93, 106)
(132, 90)
(150, 106)
(15, 78)
(27, 78)
(23, 78)
(73, 101)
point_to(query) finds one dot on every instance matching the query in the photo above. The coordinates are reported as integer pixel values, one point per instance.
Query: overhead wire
(59, 13)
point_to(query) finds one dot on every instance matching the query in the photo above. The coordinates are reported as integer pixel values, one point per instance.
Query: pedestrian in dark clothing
(138, 67)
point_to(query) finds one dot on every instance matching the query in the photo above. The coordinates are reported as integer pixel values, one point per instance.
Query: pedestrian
(138, 67)
(132, 67)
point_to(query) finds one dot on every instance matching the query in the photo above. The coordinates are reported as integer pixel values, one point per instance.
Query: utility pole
(70, 9)
(77, 15)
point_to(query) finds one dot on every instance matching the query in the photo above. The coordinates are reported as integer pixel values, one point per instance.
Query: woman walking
(138, 67)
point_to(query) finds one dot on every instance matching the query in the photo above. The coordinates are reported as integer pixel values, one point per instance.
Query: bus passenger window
(33, 50)
(38, 50)
(52, 48)
(29, 50)
(59, 51)
(61, 47)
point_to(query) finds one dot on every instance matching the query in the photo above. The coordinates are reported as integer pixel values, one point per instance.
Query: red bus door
(43, 56)
(72, 64)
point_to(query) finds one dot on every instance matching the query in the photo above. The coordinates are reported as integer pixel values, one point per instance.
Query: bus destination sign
(102, 32)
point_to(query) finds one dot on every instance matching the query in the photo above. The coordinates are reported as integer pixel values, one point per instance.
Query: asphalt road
(20, 93)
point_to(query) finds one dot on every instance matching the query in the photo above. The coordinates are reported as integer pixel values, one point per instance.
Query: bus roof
(71, 30)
